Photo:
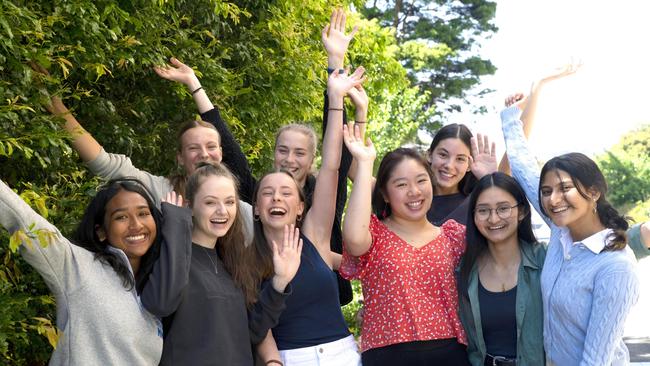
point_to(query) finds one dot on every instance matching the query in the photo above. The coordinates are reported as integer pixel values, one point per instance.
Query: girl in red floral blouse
(405, 264)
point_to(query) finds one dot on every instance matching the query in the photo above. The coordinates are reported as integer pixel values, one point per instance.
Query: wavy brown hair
(231, 248)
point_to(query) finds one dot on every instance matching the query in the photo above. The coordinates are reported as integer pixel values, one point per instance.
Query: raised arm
(319, 219)
(41, 244)
(166, 285)
(525, 168)
(356, 227)
(530, 112)
(233, 156)
(336, 43)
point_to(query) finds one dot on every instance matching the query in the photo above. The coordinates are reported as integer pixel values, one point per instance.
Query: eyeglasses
(504, 212)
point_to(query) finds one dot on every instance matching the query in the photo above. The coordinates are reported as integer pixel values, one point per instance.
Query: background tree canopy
(627, 170)
(261, 63)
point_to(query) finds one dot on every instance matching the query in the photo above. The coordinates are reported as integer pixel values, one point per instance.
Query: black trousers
(439, 352)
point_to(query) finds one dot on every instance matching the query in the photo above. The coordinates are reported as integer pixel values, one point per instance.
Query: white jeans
(343, 352)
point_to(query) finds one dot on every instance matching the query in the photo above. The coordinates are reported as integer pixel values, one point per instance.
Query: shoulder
(535, 252)
(453, 230)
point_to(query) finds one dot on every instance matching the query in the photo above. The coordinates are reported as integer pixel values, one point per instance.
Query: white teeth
(496, 227)
(135, 237)
(446, 175)
(559, 209)
(414, 204)
(219, 221)
(277, 211)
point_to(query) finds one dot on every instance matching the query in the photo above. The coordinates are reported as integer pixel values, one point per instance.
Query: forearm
(266, 312)
(524, 166)
(356, 226)
(333, 139)
(84, 143)
(232, 155)
(200, 96)
(268, 350)
(166, 285)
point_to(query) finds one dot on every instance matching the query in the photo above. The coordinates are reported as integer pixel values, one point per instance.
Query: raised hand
(560, 72)
(513, 98)
(359, 98)
(483, 160)
(176, 71)
(173, 199)
(286, 258)
(338, 84)
(335, 40)
(354, 142)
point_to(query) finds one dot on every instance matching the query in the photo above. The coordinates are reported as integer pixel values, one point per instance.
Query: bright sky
(588, 111)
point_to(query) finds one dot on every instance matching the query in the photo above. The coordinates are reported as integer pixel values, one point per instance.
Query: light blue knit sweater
(586, 296)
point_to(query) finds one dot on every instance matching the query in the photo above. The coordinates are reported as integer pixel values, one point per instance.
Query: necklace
(211, 261)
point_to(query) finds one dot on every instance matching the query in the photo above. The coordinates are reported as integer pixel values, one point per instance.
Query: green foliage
(261, 62)
(627, 170)
(438, 41)
(351, 310)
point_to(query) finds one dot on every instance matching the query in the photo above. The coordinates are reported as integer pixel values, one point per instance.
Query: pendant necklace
(211, 261)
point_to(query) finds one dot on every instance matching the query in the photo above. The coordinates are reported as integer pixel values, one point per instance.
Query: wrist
(335, 100)
(335, 62)
(193, 83)
(360, 115)
(279, 284)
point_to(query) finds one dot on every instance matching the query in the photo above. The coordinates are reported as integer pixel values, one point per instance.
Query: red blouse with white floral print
(409, 293)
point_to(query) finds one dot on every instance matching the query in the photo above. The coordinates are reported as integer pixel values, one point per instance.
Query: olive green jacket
(529, 313)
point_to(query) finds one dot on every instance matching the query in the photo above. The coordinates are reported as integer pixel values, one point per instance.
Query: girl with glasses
(499, 287)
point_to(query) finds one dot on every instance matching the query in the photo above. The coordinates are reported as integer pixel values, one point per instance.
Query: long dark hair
(477, 244)
(461, 132)
(585, 175)
(262, 253)
(379, 206)
(178, 179)
(86, 237)
(231, 248)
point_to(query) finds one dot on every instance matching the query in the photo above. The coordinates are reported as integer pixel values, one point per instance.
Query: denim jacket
(529, 313)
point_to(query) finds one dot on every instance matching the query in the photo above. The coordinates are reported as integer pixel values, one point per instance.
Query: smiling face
(562, 200)
(449, 164)
(214, 209)
(128, 225)
(198, 144)
(408, 190)
(278, 201)
(293, 152)
(495, 228)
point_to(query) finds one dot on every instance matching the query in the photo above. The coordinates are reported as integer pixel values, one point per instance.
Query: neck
(444, 191)
(301, 183)
(409, 225)
(204, 240)
(585, 227)
(135, 265)
(505, 254)
(272, 235)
